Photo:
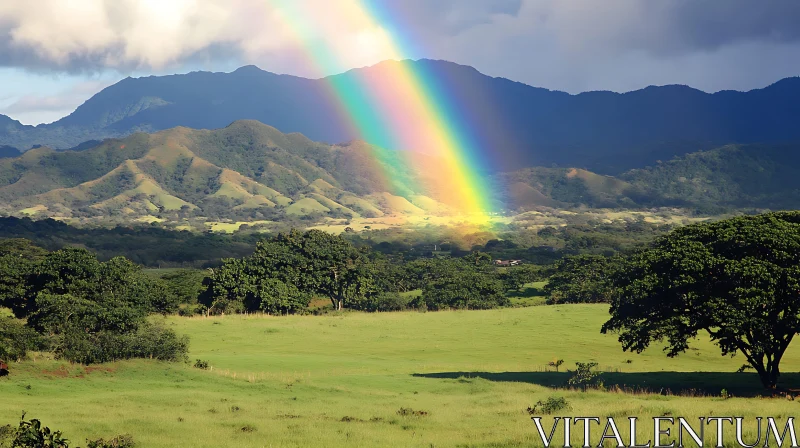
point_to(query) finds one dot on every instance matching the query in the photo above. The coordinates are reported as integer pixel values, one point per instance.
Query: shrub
(191, 310)
(583, 375)
(31, 434)
(556, 363)
(121, 441)
(389, 301)
(200, 364)
(7, 435)
(148, 341)
(16, 339)
(408, 412)
(549, 406)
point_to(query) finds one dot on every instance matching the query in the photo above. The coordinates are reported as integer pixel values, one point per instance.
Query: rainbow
(402, 108)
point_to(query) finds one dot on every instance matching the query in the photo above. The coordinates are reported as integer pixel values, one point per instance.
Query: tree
(16, 339)
(186, 284)
(478, 258)
(581, 279)
(331, 265)
(89, 311)
(466, 289)
(737, 279)
(515, 277)
(286, 270)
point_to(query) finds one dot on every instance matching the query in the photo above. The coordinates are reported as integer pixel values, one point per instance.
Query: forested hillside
(730, 177)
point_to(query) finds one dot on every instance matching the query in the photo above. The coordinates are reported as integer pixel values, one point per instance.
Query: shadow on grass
(666, 383)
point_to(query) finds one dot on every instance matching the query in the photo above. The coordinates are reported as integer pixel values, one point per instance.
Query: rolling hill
(249, 171)
(518, 124)
(757, 176)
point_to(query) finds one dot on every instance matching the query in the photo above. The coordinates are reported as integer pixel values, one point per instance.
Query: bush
(556, 363)
(200, 364)
(389, 301)
(408, 412)
(16, 339)
(121, 441)
(7, 435)
(549, 406)
(31, 434)
(191, 310)
(148, 341)
(583, 375)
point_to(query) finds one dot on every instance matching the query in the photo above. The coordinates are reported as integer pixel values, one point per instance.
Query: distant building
(507, 262)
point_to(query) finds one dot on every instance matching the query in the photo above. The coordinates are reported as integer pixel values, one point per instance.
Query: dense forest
(158, 247)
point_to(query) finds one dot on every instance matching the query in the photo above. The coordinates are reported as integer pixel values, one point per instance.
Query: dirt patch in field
(61, 372)
(102, 369)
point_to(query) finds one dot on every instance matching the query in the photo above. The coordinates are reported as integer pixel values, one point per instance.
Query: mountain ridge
(519, 125)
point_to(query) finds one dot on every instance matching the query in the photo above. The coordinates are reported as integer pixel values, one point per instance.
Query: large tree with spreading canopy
(736, 279)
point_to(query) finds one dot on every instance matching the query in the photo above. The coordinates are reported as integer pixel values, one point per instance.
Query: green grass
(305, 206)
(531, 294)
(295, 379)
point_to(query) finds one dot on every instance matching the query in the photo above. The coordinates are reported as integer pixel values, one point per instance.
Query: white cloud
(571, 45)
(86, 35)
(38, 108)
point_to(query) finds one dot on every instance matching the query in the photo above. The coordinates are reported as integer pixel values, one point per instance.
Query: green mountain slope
(729, 177)
(249, 171)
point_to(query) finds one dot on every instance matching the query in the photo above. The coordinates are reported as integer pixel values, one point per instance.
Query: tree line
(286, 271)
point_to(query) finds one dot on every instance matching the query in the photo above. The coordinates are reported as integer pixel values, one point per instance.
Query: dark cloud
(681, 26)
(446, 17)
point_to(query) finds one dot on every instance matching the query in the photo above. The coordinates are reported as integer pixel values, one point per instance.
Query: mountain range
(518, 125)
(249, 171)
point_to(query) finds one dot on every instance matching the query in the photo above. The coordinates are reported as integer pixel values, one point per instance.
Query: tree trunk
(769, 371)
(341, 303)
(769, 378)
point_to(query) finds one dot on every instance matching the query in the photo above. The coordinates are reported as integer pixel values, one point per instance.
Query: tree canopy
(84, 310)
(737, 279)
(286, 270)
(581, 279)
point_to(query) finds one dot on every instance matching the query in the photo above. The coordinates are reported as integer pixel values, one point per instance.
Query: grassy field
(340, 380)
(531, 294)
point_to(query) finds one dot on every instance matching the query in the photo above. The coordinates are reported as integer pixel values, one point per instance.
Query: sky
(55, 54)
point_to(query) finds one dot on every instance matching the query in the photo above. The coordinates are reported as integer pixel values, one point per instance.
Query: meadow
(409, 379)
